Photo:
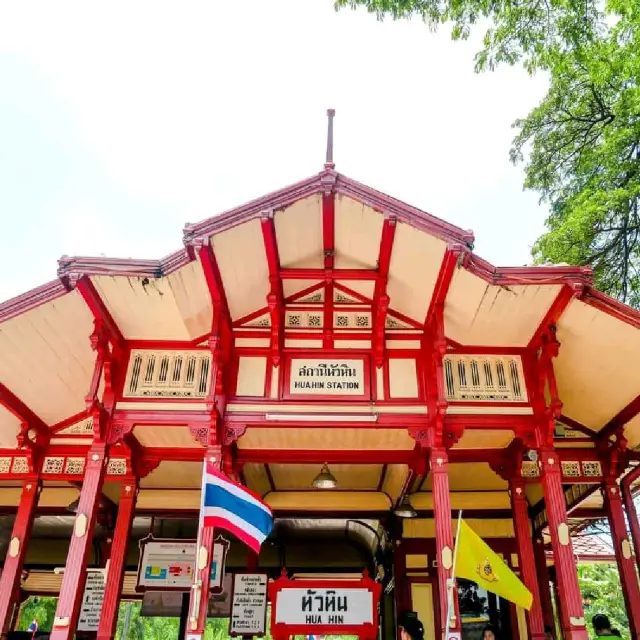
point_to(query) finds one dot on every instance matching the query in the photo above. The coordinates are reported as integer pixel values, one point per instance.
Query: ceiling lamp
(405, 509)
(325, 479)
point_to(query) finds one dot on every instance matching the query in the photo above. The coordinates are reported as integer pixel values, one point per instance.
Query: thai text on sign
(333, 377)
(324, 607)
(249, 604)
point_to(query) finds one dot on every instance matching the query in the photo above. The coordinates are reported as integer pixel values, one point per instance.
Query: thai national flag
(230, 506)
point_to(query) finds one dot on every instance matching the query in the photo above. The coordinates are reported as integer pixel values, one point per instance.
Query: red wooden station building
(352, 360)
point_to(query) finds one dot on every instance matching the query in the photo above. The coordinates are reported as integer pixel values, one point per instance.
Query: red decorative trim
(232, 433)
(443, 281)
(214, 281)
(98, 309)
(200, 433)
(380, 298)
(31, 299)
(275, 298)
(620, 419)
(557, 308)
(282, 631)
(20, 410)
(612, 307)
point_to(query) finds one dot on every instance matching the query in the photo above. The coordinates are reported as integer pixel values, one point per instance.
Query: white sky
(121, 122)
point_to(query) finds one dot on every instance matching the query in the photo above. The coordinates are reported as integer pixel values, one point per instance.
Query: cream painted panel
(163, 500)
(167, 437)
(484, 439)
(146, 308)
(403, 344)
(415, 263)
(256, 478)
(363, 287)
(352, 344)
(252, 342)
(330, 501)
(252, 373)
(632, 432)
(358, 230)
(275, 381)
(326, 438)
(394, 480)
(422, 604)
(299, 234)
(10, 496)
(9, 428)
(380, 382)
(57, 496)
(46, 358)
(290, 343)
(594, 370)
(293, 477)
(174, 475)
(472, 476)
(291, 287)
(534, 493)
(403, 378)
(243, 267)
(426, 528)
(417, 561)
(192, 297)
(477, 313)
(465, 500)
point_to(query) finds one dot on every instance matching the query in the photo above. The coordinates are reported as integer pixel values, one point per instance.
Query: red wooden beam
(214, 281)
(380, 304)
(275, 298)
(328, 246)
(557, 308)
(620, 419)
(98, 309)
(443, 282)
(576, 426)
(19, 409)
(333, 274)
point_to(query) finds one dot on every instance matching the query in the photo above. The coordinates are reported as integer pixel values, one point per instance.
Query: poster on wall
(168, 565)
(312, 377)
(249, 605)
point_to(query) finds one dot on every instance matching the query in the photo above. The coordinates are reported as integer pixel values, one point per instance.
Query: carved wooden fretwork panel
(592, 469)
(20, 465)
(53, 465)
(117, 467)
(5, 465)
(352, 320)
(168, 374)
(303, 319)
(530, 469)
(570, 469)
(474, 378)
(83, 427)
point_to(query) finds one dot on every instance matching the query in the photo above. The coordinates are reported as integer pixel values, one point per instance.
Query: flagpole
(452, 580)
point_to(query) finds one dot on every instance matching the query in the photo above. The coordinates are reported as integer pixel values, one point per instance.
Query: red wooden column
(10, 580)
(75, 571)
(632, 512)
(199, 597)
(522, 526)
(572, 613)
(544, 583)
(117, 560)
(624, 554)
(444, 537)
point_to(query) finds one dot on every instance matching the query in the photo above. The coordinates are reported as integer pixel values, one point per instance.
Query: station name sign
(327, 377)
(325, 607)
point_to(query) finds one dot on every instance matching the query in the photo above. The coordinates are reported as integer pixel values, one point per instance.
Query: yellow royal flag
(476, 562)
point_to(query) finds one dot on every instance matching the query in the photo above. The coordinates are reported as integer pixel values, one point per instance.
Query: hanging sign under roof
(168, 564)
(336, 607)
(327, 377)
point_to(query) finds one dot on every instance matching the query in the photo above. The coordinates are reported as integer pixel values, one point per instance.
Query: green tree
(601, 593)
(581, 145)
(43, 610)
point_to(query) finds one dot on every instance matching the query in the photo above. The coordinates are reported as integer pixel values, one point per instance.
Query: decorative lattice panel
(161, 374)
(592, 469)
(20, 465)
(352, 320)
(5, 465)
(488, 378)
(530, 469)
(52, 465)
(74, 466)
(303, 319)
(117, 467)
(570, 469)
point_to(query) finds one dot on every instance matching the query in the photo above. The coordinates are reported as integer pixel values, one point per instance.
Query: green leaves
(581, 145)
(601, 593)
